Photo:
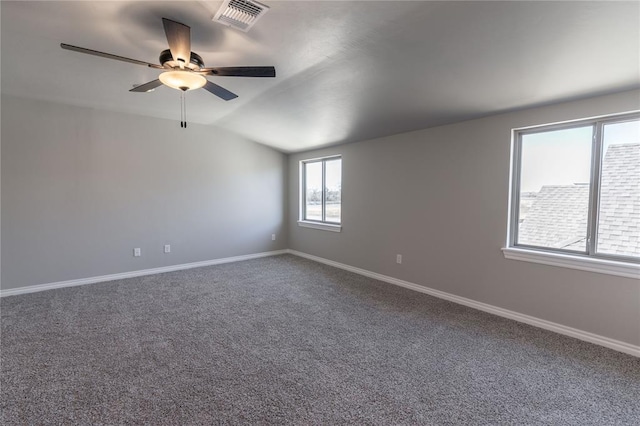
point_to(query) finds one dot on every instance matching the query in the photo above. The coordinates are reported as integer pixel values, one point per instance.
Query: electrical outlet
(167, 248)
(273, 237)
(137, 252)
(398, 258)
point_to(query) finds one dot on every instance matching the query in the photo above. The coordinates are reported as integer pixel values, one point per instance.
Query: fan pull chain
(181, 109)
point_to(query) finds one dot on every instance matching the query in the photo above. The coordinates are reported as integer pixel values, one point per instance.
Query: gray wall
(439, 197)
(81, 188)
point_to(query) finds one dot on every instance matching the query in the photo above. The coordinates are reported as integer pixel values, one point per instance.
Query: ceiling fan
(184, 70)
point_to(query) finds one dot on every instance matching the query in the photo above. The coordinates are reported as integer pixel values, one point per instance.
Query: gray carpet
(283, 340)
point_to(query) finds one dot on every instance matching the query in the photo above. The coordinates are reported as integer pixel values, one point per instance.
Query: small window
(576, 188)
(321, 191)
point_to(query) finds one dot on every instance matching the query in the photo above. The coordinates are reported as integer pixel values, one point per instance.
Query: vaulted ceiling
(346, 70)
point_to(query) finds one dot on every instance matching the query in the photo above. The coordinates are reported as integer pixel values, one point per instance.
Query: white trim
(579, 120)
(527, 319)
(516, 316)
(315, 160)
(132, 274)
(320, 225)
(591, 264)
(302, 183)
(510, 201)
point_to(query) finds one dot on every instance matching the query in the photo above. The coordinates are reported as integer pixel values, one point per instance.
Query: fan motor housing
(195, 63)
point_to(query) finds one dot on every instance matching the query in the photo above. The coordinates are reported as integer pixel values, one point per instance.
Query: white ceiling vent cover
(240, 14)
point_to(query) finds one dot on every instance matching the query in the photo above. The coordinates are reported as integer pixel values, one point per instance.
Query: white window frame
(590, 260)
(317, 224)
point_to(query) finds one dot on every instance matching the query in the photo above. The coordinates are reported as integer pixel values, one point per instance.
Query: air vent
(240, 14)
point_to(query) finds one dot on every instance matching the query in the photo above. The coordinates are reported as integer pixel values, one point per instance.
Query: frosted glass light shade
(182, 80)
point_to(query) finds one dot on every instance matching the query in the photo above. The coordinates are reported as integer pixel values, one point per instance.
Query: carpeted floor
(284, 340)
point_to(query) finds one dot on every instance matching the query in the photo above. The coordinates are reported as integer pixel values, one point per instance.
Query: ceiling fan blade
(219, 91)
(241, 71)
(107, 55)
(147, 87)
(179, 39)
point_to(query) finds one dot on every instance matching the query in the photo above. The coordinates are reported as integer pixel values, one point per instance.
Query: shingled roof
(619, 227)
(558, 216)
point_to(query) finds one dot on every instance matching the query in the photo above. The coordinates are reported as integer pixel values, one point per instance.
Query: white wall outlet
(167, 248)
(398, 258)
(137, 252)
(273, 237)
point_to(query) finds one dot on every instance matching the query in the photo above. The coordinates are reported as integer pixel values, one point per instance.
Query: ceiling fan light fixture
(182, 80)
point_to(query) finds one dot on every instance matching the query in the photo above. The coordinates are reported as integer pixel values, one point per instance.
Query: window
(576, 189)
(321, 193)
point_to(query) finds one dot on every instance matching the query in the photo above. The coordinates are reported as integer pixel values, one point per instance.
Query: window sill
(601, 266)
(318, 225)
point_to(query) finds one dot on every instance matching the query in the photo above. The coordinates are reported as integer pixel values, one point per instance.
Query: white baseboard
(132, 274)
(527, 319)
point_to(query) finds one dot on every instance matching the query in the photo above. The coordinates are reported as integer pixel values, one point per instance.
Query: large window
(321, 192)
(576, 189)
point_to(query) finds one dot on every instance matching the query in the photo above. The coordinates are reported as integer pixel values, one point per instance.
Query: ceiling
(346, 70)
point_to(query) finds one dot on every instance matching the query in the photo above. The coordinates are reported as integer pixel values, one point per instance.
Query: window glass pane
(333, 173)
(554, 188)
(313, 191)
(619, 209)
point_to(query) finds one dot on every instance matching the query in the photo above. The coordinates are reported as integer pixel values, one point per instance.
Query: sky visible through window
(563, 157)
(334, 176)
